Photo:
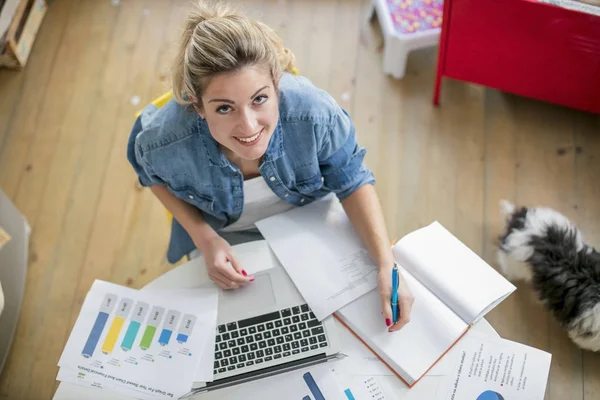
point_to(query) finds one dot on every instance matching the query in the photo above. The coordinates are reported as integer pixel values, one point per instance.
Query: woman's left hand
(405, 298)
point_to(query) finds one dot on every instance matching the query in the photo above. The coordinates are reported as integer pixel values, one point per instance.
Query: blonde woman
(244, 139)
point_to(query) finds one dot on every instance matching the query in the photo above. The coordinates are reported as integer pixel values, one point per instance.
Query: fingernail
(252, 280)
(244, 273)
(388, 322)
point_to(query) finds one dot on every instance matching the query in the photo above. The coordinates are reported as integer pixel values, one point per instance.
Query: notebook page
(412, 350)
(452, 271)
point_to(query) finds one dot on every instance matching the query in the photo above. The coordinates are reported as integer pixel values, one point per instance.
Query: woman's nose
(248, 123)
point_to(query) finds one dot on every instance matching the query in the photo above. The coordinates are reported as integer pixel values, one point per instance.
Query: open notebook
(453, 288)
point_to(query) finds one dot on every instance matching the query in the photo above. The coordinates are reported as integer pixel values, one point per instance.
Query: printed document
(488, 368)
(144, 342)
(322, 253)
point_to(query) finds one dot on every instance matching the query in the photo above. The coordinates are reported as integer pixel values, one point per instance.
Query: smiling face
(242, 111)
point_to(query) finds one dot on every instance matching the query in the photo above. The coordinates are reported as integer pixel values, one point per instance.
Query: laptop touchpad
(252, 297)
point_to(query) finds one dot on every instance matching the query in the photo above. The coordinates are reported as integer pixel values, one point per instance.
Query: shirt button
(272, 179)
(301, 200)
(191, 197)
(286, 195)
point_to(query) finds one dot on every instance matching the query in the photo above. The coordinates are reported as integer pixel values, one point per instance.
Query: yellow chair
(159, 102)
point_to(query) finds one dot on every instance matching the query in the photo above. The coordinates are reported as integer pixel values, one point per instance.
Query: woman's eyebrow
(232, 102)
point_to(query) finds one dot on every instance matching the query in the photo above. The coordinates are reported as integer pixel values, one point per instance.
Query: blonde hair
(216, 39)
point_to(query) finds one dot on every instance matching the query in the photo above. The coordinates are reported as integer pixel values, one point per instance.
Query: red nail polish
(252, 280)
(244, 273)
(388, 322)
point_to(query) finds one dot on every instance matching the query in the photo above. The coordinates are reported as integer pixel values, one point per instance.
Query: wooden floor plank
(11, 85)
(442, 163)
(346, 33)
(24, 108)
(501, 129)
(367, 100)
(319, 35)
(296, 31)
(46, 224)
(73, 178)
(587, 207)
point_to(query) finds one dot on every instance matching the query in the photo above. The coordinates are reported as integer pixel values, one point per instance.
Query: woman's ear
(198, 111)
(194, 101)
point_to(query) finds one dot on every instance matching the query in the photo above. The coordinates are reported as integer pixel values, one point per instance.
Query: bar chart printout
(117, 324)
(138, 317)
(106, 308)
(125, 338)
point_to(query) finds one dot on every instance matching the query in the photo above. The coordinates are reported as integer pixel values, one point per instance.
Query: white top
(259, 202)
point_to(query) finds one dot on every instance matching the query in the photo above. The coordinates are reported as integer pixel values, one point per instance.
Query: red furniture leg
(442, 52)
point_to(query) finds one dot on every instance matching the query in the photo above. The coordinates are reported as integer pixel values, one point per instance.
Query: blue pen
(395, 283)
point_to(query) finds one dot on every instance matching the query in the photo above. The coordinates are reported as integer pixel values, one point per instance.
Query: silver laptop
(266, 328)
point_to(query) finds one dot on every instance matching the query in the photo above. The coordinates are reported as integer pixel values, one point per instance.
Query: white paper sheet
(144, 341)
(322, 253)
(488, 368)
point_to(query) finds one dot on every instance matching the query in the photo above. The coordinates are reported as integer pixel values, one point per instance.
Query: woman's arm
(187, 215)
(364, 211)
(218, 254)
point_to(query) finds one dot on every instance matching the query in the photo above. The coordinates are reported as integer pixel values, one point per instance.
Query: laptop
(266, 328)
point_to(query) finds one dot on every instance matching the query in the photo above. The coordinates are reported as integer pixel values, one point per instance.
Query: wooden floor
(65, 120)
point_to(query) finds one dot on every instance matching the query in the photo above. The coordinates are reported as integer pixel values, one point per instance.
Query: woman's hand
(222, 265)
(405, 299)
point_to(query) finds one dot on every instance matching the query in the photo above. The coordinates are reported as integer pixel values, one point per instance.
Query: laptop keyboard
(273, 336)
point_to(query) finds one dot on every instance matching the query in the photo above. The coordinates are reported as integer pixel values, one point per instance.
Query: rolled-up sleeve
(137, 159)
(341, 158)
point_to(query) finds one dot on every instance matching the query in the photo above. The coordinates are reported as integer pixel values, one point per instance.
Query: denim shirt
(312, 152)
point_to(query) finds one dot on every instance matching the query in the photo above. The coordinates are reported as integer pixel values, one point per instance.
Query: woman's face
(242, 111)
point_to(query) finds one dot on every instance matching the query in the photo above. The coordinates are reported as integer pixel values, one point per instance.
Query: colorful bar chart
(139, 314)
(155, 318)
(169, 327)
(185, 329)
(312, 385)
(117, 324)
(106, 308)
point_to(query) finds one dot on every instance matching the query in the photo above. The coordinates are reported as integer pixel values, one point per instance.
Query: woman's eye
(260, 99)
(224, 109)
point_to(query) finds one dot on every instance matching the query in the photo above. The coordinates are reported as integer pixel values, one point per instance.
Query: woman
(246, 139)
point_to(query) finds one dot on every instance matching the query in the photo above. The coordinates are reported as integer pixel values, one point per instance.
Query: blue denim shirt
(312, 152)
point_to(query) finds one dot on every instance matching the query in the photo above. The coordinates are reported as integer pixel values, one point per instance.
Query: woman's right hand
(222, 265)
